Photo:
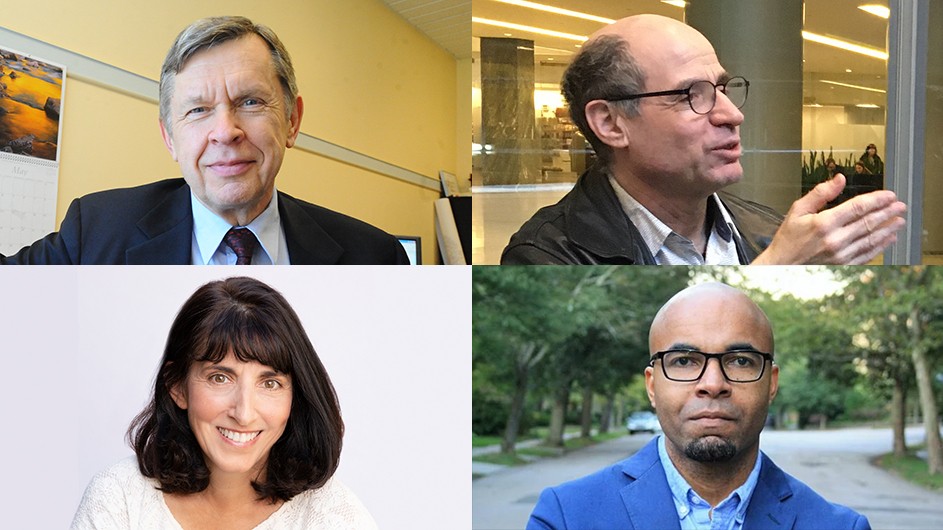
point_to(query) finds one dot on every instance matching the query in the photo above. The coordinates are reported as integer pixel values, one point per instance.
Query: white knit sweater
(121, 498)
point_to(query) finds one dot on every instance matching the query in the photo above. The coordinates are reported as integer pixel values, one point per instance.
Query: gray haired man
(229, 107)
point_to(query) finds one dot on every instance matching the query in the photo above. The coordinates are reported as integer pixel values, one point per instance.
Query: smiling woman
(243, 429)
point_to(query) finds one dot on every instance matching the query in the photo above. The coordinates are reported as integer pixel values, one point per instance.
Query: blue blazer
(634, 495)
(153, 225)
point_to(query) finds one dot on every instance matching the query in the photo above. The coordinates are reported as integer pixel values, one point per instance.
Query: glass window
(825, 99)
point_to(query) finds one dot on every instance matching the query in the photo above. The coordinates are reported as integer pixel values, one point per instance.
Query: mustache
(711, 410)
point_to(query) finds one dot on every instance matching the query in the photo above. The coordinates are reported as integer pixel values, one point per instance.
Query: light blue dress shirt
(208, 247)
(694, 512)
(671, 248)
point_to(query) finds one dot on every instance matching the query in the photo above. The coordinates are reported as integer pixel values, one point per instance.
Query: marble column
(761, 40)
(508, 122)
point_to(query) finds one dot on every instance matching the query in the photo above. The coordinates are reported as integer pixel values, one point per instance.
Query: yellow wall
(370, 81)
(463, 131)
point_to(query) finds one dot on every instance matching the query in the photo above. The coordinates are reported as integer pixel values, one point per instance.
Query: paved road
(834, 463)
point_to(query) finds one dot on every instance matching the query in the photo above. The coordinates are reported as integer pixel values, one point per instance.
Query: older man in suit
(229, 107)
(706, 471)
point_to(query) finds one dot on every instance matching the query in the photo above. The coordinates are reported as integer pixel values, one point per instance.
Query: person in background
(861, 169)
(833, 168)
(872, 161)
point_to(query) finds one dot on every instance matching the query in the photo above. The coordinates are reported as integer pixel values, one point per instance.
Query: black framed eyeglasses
(702, 95)
(738, 366)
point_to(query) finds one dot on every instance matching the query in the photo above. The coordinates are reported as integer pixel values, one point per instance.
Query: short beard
(710, 450)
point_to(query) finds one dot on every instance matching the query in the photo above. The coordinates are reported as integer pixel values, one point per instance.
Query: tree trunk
(513, 426)
(606, 418)
(931, 419)
(586, 418)
(899, 416)
(620, 411)
(561, 399)
(527, 357)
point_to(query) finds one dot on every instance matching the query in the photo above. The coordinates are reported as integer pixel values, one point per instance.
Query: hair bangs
(248, 335)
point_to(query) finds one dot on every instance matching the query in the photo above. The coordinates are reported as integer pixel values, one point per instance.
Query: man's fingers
(860, 245)
(821, 194)
(865, 250)
(864, 205)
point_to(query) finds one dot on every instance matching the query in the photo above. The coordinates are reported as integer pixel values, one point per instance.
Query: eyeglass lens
(690, 366)
(703, 94)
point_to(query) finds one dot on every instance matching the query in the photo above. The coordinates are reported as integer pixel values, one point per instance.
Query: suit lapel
(168, 229)
(768, 507)
(648, 498)
(308, 243)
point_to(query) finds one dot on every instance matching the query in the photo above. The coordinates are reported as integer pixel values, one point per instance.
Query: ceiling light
(844, 45)
(676, 3)
(546, 50)
(847, 70)
(877, 10)
(867, 106)
(556, 10)
(529, 29)
(859, 87)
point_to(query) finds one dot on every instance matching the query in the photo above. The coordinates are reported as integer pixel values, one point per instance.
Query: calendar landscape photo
(30, 104)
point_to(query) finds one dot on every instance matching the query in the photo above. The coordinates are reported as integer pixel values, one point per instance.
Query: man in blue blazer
(229, 107)
(706, 470)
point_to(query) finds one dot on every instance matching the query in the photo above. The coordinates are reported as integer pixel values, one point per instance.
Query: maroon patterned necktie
(242, 241)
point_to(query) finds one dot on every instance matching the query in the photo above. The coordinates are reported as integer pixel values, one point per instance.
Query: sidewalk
(503, 500)
(485, 468)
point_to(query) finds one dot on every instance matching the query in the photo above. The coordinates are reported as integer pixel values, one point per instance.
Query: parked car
(643, 421)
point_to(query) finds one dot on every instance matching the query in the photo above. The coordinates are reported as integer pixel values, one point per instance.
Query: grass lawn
(500, 458)
(912, 469)
(544, 452)
(482, 441)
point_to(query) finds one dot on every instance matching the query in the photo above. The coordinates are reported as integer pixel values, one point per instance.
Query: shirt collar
(684, 495)
(655, 233)
(209, 230)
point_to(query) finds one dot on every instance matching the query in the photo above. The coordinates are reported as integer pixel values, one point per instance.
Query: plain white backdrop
(81, 347)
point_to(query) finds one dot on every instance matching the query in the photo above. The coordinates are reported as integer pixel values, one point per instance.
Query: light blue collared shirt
(694, 512)
(208, 247)
(671, 248)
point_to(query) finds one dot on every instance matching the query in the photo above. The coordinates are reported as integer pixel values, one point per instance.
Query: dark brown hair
(603, 69)
(254, 322)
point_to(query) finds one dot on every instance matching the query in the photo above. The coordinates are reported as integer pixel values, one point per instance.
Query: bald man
(711, 380)
(663, 117)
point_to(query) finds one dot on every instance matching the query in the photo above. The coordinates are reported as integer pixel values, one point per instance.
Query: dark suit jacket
(153, 225)
(634, 495)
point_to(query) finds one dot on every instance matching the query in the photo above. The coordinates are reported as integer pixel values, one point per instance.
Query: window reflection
(844, 103)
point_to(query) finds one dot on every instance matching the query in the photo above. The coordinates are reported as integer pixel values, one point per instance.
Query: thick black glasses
(702, 95)
(738, 366)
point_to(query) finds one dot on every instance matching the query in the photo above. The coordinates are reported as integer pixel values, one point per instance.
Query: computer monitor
(413, 246)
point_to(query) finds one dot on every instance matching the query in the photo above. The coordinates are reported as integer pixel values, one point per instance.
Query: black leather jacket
(588, 227)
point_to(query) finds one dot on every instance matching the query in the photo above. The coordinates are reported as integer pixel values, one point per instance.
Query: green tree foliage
(516, 317)
(900, 315)
(546, 329)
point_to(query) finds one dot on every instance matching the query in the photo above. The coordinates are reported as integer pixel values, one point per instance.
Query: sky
(803, 282)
